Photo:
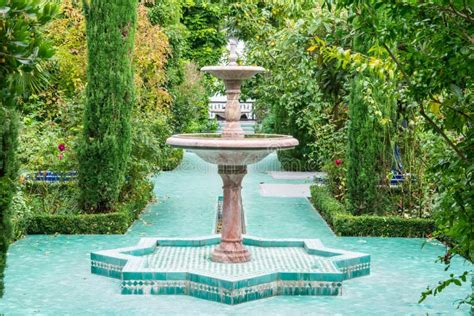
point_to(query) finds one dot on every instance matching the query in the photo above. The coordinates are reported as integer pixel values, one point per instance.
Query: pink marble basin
(216, 149)
(233, 72)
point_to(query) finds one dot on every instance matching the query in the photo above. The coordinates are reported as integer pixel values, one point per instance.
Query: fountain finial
(233, 51)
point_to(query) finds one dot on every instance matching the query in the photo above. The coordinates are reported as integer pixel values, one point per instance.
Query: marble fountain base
(183, 266)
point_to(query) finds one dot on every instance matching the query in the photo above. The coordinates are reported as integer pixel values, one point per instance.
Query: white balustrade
(246, 108)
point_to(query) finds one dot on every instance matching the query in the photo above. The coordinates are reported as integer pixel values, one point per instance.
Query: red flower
(60, 156)
(62, 147)
(338, 162)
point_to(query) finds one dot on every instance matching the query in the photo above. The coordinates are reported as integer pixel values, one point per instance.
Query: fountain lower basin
(219, 150)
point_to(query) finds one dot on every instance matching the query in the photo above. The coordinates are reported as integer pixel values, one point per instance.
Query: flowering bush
(46, 147)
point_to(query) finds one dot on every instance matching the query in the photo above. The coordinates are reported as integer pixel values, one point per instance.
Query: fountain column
(231, 249)
(232, 128)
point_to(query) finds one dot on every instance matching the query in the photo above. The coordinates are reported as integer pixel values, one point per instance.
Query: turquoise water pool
(50, 275)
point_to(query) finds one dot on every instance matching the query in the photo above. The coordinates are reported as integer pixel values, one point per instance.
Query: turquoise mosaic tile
(182, 266)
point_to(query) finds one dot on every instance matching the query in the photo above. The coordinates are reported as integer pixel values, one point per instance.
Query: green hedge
(112, 223)
(345, 224)
(108, 223)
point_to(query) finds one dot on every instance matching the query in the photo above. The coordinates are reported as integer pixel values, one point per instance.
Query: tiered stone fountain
(231, 268)
(232, 151)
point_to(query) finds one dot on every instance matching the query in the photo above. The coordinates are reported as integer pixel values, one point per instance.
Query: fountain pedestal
(231, 249)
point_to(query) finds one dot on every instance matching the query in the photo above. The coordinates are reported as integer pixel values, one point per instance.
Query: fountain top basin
(233, 72)
(219, 150)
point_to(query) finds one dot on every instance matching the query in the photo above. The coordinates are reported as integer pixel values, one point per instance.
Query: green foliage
(165, 13)
(171, 158)
(248, 18)
(336, 178)
(301, 95)
(190, 107)
(431, 46)
(149, 153)
(195, 37)
(105, 145)
(203, 20)
(150, 57)
(21, 212)
(194, 29)
(67, 32)
(8, 169)
(22, 49)
(39, 139)
(442, 285)
(51, 198)
(346, 224)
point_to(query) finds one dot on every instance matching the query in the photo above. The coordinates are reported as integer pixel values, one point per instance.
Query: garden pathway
(50, 275)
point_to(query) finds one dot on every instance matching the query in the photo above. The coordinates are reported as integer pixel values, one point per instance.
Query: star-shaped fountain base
(173, 266)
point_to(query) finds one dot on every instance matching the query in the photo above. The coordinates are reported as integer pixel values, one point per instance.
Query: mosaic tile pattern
(182, 266)
(264, 259)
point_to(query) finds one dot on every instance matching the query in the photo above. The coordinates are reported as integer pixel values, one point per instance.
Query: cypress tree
(105, 147)
(363, 144)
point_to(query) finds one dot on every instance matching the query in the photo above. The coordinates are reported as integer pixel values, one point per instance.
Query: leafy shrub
(150, 58)
(116, 222)
(38, 147)
(21, 213)
(346, 224)
(110, 223)
(165, 13)
(171, 158)
(68, 34)
(291, 161)
(51, 198)
(190, 106)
